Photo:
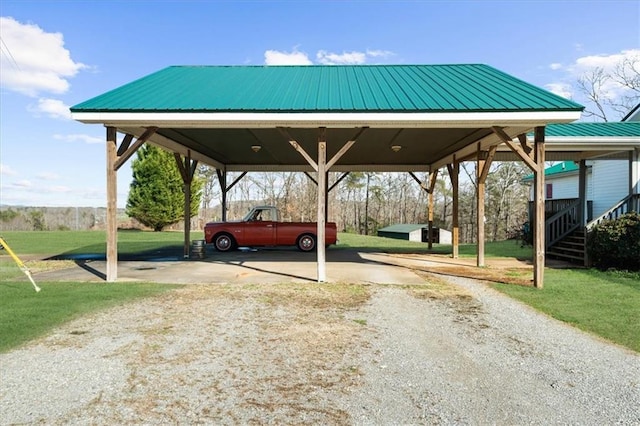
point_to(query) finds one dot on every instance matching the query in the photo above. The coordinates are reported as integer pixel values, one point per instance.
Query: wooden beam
(539, 199)
(340, 153)
(488, 157)
(112, 206)
(454, 171)
(124, 145)
(523, 143)
(304, 154)
(422, 184)
(518, 150)
(322, 191)
(137, 144)
(222, 180)
(187, 171)
(311, 178)
(236, 180)
(480, 217)
(340, 179)
(433, 175)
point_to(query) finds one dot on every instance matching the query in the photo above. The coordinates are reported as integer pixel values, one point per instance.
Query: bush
(616, 243)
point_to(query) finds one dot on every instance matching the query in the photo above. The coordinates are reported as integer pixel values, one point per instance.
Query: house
(415, 232)
(581, 193)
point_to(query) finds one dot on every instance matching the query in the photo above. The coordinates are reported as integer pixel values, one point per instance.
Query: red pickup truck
(262, 227)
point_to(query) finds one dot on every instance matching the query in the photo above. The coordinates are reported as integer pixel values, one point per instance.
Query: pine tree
(156, 196)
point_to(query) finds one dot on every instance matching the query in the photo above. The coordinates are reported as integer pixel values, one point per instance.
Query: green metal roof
(369, 88)
(402, 228)
(557, 169)
(611, 129)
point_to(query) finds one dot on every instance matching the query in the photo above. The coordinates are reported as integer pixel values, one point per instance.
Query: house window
(549, 190)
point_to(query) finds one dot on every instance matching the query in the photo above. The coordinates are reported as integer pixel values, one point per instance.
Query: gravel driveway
(329, 354)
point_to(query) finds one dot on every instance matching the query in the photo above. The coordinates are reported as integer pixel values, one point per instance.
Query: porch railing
(552, 207)
(562, 223)
(628, 204)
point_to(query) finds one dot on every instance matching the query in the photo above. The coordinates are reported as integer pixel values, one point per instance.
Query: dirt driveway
(441, 351)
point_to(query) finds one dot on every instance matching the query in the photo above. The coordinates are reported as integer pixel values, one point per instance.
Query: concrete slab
(251, 266)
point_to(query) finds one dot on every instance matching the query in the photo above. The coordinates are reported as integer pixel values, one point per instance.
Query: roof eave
(234, 120)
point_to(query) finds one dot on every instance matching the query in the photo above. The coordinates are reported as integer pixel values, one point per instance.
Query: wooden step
(561, 249)
(554, 254)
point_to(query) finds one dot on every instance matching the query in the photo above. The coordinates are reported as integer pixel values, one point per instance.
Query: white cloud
(34, 61)
(275, 57)
(7, 171)
(22, 184)
(344, 58)
(54, 108)
(379, 53)
(607, 62)
(555, 66)
(48, 176)
(561, 89)
(78, 138)
(59, 189)
(295, 57)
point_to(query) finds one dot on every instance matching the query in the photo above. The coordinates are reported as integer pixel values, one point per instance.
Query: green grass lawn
(26, 315)
(92, 242)
(510, 248)
(604, 303)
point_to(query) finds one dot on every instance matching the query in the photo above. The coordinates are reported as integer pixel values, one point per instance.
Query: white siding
(611, 184)
(566, 186)
(416, 235)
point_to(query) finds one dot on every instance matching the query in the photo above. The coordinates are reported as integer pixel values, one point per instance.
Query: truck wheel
(306, 242)
(224, 242)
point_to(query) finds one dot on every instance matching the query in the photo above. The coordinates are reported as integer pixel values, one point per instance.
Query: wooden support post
(634, 171)
(187, 171)
(582, 193)
(322, 191)
(454, 171)
(480, 209)
(112, 206)
(326, 196)
(433, 175)
(222, 181)
(485, 158)
(539, 199)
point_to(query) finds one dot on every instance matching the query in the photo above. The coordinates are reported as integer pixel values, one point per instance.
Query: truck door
(261, 231)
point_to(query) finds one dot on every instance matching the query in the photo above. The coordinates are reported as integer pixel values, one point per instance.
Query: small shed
(415, 232)
(403, 232)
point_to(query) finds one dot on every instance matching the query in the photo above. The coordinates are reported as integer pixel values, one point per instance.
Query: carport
(394, 118)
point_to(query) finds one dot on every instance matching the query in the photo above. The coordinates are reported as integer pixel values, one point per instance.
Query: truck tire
(306, 242)
(224, 242)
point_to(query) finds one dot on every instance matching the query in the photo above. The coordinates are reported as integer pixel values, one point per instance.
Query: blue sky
(57, 53)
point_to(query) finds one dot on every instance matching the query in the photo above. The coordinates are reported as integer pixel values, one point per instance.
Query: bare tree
(611, 94)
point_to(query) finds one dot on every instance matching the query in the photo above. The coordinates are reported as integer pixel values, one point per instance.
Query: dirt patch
(278, 351)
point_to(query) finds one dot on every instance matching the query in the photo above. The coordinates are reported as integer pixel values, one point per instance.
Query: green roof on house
(362, 88)
(403, 228)
(594, 130)
(557, 169)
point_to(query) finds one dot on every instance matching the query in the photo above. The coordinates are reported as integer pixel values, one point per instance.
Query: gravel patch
(330, 354)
